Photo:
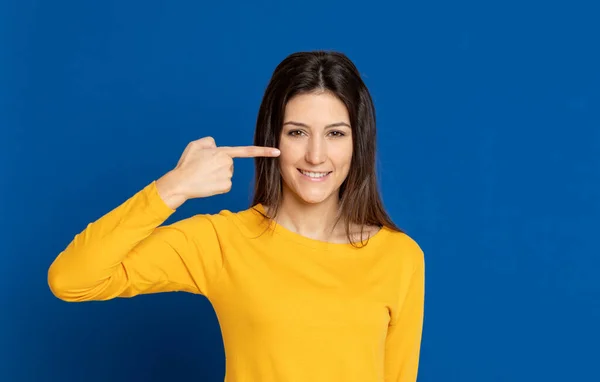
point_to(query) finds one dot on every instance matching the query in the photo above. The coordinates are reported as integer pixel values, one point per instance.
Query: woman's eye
(297, 133)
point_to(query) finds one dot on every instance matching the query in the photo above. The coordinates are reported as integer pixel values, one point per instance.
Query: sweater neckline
(288, 234)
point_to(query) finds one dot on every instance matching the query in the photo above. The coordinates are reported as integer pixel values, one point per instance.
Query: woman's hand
(204, 170)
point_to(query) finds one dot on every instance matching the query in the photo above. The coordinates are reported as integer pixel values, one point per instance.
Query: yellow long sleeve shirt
(290, 308)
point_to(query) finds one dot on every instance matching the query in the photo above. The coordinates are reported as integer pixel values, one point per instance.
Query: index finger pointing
(250, 151)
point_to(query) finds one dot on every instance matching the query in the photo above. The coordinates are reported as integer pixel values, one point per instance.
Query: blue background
(489, 140)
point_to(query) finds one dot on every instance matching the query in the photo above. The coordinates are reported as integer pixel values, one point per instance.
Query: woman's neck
(316, 221)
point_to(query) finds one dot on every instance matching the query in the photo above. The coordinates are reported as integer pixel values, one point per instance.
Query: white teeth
(314, 174)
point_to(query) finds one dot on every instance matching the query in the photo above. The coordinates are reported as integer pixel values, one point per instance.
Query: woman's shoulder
(245, 220)
(402, 238)
(401, 245)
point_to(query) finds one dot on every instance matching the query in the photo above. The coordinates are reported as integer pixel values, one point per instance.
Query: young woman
(313, 282)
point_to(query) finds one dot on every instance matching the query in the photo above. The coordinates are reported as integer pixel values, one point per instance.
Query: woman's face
(316, 147)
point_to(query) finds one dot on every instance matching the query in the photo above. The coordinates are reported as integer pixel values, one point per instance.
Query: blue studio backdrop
(488, 117)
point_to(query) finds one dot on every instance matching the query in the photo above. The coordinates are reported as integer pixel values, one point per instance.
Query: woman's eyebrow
(337, 124)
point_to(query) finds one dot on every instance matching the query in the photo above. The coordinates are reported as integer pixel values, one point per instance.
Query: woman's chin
(311, 194)
(314, 197)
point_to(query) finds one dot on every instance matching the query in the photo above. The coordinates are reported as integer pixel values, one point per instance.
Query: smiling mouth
(314, 174)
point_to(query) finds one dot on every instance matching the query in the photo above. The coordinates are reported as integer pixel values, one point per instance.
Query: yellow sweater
(290, 308)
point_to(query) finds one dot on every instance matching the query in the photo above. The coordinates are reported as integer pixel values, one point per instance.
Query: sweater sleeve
(127, 252)
(403, 341)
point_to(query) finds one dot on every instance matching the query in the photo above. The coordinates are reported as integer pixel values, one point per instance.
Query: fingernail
(276, 152)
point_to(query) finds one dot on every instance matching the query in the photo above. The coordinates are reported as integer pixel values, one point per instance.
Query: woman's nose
(316, 152)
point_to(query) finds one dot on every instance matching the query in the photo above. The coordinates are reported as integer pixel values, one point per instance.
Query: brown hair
(306, 72)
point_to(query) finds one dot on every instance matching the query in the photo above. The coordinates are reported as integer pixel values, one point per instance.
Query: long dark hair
(306, 72)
